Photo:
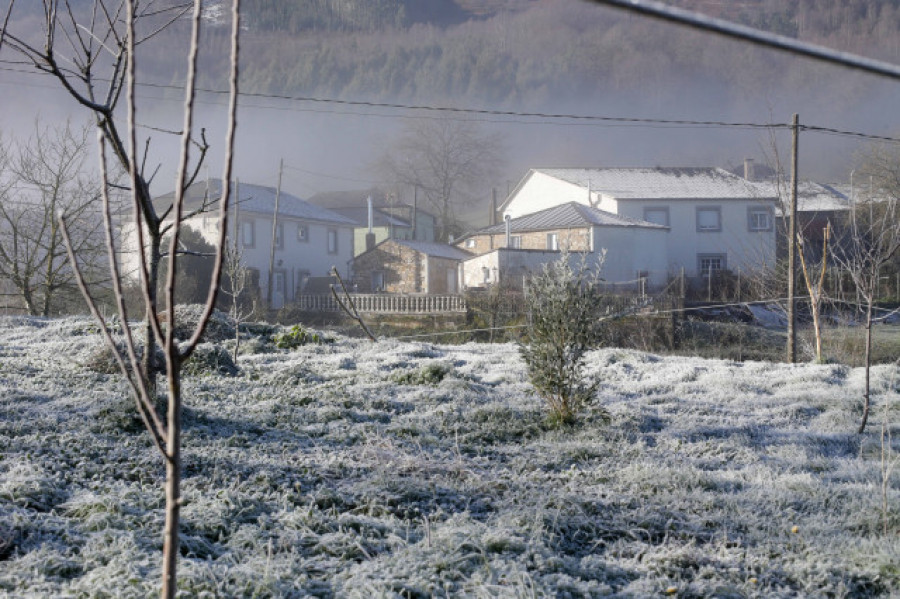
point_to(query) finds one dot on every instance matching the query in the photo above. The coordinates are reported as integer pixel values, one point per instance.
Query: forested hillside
(521, 52)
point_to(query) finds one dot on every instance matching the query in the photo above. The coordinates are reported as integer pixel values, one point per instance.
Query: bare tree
(873, 241)
(109, 36)
(234, 287)
(87, 48)
(815, 285)
(43, 178)
(448, 160)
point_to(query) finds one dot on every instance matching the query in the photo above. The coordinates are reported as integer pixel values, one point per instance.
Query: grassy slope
(316, 472)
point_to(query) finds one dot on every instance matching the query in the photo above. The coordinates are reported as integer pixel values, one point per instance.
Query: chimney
(493, 215)
(748, 169)
(370, 236)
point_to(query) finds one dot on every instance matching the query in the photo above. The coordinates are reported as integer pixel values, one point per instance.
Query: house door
(278, 280)
(451, 280)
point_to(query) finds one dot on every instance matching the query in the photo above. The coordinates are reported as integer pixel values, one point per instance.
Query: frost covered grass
(354, 469)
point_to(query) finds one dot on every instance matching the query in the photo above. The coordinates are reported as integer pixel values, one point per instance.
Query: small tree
(120, 39)
(872, 243)
(563, 323)
(235, 278)
(816, 286)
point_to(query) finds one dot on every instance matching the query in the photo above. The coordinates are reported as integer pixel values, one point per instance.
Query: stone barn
(409, 267)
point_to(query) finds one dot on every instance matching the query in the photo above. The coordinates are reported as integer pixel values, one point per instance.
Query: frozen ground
(349, 470)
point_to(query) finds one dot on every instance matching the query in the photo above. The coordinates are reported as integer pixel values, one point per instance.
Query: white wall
(541, 191)
(630, 250)
(295, 256)
(744, 249)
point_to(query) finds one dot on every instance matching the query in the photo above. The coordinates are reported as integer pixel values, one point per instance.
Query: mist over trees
(527, 53)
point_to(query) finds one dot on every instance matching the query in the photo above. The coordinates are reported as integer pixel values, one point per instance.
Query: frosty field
(396, 469)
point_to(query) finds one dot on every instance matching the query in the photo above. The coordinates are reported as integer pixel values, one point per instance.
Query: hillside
(517, 53)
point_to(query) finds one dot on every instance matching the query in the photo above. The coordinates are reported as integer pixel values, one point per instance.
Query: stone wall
(576, 240)
(402, 267)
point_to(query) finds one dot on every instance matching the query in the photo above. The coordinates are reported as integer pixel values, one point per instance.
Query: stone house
(634, 249)
(409, 267)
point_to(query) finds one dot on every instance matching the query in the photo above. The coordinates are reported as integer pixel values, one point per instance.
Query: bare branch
(226, 181)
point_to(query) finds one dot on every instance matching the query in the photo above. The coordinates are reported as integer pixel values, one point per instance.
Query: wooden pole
(792, 247)
(274, 233)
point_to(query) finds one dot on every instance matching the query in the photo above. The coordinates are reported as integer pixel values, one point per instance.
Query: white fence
(383, 303)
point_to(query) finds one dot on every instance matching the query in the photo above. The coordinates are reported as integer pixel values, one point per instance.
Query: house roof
(361, 217)
(566, 216)
(434, 249)
(348, 199)
(257, 199)
(815, 197)
(663, 183)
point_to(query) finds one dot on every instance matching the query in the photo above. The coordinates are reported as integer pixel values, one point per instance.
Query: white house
(715, 219)
(635, 249)
(309, 240)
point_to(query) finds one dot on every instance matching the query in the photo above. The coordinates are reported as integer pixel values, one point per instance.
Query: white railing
(385, 303)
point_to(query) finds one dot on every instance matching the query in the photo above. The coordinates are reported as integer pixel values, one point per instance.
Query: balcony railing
(384, 303)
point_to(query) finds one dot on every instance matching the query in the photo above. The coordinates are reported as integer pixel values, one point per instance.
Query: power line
(507, 115)
(658, 10)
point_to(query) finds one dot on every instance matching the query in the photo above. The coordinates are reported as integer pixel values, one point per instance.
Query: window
(709, 219)
(302, 280)
(708, 264)
(486, 274)
(470, 242)
(658, 215)
(759, 219)
(378, 280)
(248, 234)
(515, 241)
(332, 241)
(302, 232)
(279, 236)
(552, 241)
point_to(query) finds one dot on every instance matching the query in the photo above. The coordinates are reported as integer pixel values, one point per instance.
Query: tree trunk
(173, 478)
(149, 357)
(867, 395)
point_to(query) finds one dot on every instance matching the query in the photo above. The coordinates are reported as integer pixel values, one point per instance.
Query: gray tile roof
(435, 249)
(814, 197)
(661, 182)
(258, 199)
(566, 216)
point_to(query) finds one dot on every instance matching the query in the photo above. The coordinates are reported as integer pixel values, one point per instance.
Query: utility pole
(415, 210)
(274, 233)
(792, 247)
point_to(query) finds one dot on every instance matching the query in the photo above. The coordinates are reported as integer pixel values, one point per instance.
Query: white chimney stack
(748, 169)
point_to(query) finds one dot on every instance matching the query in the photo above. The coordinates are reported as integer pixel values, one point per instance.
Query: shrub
(220, 327)
(430, 374)
(562, 325)
(210, 359)
(295, 337)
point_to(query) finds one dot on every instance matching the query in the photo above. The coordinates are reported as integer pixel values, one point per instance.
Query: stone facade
(395, 268)
(575, 240)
